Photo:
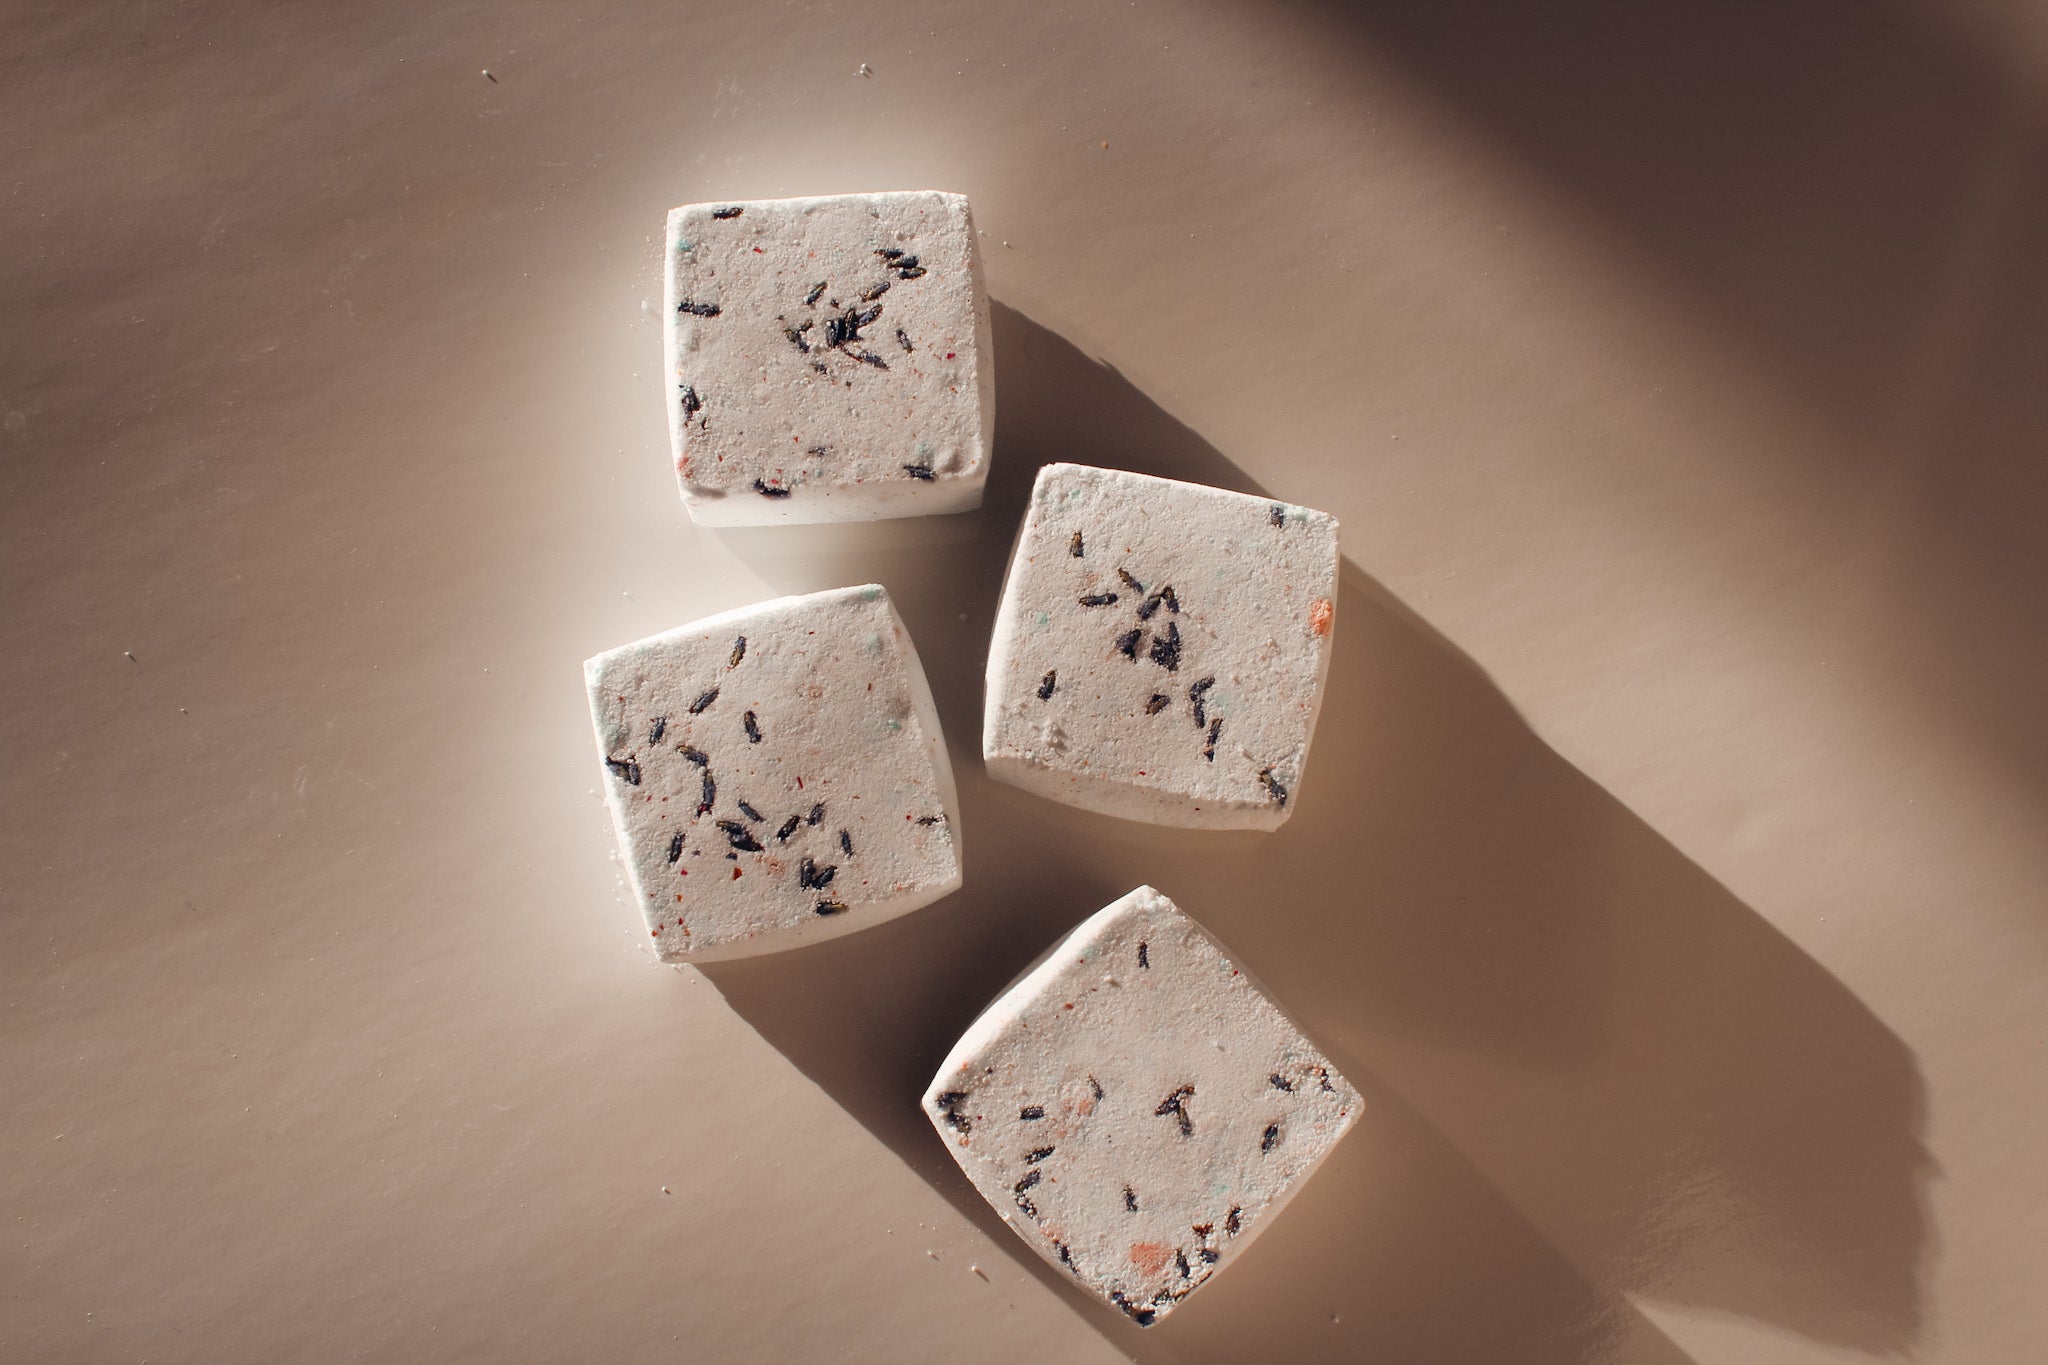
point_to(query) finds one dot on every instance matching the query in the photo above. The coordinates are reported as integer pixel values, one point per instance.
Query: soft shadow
(1856, 194)
(1595, 1073)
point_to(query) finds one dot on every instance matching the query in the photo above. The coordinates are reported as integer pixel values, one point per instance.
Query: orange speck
(1151, 1257)
(679, 895)
(736, 877)
(1319, 614)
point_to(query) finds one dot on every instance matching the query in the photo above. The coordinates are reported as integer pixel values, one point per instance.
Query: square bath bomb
(828, 358)
(1161, 649)
(775, 774)
(1136, 1108)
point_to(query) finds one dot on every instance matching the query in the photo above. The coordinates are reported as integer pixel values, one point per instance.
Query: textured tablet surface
(1136, 1108)
(1161, 649)
(828, 358)
(775, 774)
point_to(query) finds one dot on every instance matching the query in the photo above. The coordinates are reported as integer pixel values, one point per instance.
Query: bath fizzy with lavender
(1160, 649)
(775, 774)
(827, 359)
(1136, 1108)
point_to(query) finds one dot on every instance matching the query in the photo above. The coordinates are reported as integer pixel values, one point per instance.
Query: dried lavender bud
(817, 814)
(1127, 644)
(1098, 599)
(1279, 515)
(1166, 648)
(1160, 597)
(920, 471)
(739, 836)
(627, 768)
(788, 828)
(1272, 785)
(873, 292)
(697, 310)
(739, 651)
(730, 212)
(1174, 1104)
(1159, 702)
(656, 728)
(1031, 1111)
(903, 340)
(1036, 1155)
(1271, 1139)
(1130, 1200)
(846, 843)
(675, 847)
(1045, 685)
(1209, 746)
(1074, 546)
(1280, 1082)
(1197, 695)
(817, 292)
(692, 404)
(811, 877)
(1133, 584)
(768, 490)
(703, 702)
(696, 756)
(750, 812)
(831, 907)
(752, 728)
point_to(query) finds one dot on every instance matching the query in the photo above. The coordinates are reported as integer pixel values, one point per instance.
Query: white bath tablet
(1136, 1108)
(828, 359)
(1161, 649)
(775, 774)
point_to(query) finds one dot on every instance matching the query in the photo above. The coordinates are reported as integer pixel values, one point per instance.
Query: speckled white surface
(828, 358)
(1136, 1107)
(1161, 649)
(775, 774)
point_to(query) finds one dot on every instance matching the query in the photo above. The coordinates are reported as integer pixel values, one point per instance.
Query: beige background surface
(1669, 873)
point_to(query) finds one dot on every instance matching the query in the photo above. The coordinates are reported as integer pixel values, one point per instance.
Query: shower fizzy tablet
(1136, 1108)
(775, 774)
(828, 359)
(1161, 649)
